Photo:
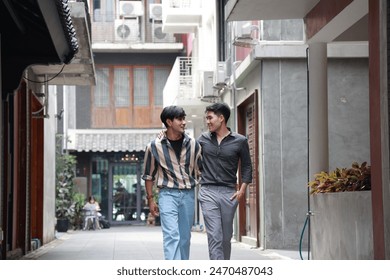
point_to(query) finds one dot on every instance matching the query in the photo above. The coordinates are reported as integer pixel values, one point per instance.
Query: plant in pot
(340, 215)
(65, 174)
(355, 178)
(77, 210)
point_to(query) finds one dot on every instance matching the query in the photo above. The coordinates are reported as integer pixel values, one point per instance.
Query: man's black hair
(219, 108)
(171, 112)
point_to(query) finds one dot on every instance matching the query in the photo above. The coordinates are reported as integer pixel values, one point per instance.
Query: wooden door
(249, 210)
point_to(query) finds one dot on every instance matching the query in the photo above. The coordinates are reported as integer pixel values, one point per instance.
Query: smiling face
(213, 121)
(177, 125)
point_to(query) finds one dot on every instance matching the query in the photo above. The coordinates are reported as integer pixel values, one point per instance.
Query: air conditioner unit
(206, 85)
(159, 36)
(126, 30)
(245, 35)
(130, 9)
(221, 76)
(155, 11)
(243, 29)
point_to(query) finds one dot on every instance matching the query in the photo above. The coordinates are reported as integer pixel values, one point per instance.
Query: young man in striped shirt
(172, 163)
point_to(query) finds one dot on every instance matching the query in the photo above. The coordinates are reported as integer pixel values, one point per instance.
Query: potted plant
(77, 210)
(355, 178)
(341, 213)
(64, 190)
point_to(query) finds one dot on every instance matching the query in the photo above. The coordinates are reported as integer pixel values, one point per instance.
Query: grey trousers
(218, 212)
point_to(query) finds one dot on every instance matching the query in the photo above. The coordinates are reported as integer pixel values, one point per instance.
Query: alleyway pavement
(138, 243)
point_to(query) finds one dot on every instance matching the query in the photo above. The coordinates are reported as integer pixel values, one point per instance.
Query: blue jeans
(177, 209)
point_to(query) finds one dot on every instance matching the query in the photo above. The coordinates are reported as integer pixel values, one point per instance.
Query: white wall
(49, 169)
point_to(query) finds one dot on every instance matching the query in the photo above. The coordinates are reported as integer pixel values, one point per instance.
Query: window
(102, 93)
(121, 87)
(141, 87)
(160, 78)
(127, 96)
(103, 10)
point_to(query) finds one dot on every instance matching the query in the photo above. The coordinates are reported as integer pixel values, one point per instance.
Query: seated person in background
(91, 210)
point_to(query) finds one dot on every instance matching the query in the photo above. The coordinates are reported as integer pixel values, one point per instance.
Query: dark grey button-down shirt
(220, 161)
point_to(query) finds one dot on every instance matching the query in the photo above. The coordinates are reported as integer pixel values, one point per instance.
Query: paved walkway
(137, 243)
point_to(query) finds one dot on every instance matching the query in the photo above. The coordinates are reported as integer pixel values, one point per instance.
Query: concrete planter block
(341, 228)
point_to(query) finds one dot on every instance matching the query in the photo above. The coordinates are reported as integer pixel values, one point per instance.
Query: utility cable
(309, 213)
(46, 81)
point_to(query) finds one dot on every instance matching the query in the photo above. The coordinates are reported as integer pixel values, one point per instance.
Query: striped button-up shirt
(168, 171)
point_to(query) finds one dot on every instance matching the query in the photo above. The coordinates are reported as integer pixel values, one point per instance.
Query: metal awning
(110, 140)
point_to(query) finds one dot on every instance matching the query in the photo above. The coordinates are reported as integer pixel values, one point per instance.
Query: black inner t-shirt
(176, 145)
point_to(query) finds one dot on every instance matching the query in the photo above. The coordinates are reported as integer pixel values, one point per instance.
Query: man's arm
(198, 160)
(149, 195)
(240, 192)
(246, 171)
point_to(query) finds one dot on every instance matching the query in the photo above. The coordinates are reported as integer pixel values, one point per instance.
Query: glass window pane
(160, 79)
(110, 10)
(141, 87)
(121, 87)
(101, 92)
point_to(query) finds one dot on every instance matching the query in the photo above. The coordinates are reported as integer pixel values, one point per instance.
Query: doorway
(127, 199)
(249, 210)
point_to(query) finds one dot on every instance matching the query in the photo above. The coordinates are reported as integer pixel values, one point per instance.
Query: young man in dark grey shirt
(222, 151)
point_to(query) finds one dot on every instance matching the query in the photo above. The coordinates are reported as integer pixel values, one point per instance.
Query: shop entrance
(127, 200)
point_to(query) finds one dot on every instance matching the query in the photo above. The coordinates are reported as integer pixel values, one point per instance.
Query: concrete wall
(283, 169)
(284, 140)
(83, 108)
(135, 58)
(49, 169)
(341, 227)
(348, 99)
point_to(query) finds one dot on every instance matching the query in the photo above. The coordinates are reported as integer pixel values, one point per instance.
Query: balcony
(186, 87)
(181, 16)
(191, 82)
(180, 84)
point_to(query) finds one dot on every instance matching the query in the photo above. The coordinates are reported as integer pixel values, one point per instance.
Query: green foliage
(355, 178)
(77, 210)
(65, 173)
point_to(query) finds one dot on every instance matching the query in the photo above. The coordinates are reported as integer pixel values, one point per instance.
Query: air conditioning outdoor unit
(155, 11)
(126, 30)
(159, 36)
(130, 9)
(243, 29)
(221, 76)
(206, 85)
(245, 34)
